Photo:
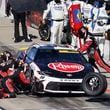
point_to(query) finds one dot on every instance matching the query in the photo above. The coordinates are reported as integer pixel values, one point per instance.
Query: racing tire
(94, 84)
(36, 87)
(44, 32)
(33, 88)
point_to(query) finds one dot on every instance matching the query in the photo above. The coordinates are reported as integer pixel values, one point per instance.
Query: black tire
(36, 87)
(94, 84)
(44, 32)
(33, 88)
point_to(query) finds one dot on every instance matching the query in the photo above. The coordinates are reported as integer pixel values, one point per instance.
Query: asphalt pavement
(7, 35)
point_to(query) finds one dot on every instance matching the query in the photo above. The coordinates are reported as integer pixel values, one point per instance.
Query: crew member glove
(8, 13)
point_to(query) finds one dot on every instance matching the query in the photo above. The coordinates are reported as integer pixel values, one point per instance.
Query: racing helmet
(83, 32)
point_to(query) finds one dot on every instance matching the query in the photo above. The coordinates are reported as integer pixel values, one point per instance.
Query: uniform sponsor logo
(66, 67)
(77, 15)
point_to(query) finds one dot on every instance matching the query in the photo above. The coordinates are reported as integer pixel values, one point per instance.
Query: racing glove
(7, 11)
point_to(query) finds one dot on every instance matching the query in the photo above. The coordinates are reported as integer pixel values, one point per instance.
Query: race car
(59, 69)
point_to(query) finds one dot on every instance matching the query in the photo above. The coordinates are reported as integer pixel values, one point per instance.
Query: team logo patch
(66, 67)
(77, 15)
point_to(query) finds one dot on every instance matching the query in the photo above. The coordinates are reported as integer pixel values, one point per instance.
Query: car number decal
(66, 67)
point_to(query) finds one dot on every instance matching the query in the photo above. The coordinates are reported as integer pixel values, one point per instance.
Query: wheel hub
(94, 83)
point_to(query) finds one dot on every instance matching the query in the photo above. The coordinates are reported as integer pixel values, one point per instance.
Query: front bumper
(61, 85)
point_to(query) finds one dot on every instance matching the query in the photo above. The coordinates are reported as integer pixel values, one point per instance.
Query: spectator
(18, 18)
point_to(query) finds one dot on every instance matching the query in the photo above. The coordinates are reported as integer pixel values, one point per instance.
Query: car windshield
(30, 55)
(45, 56)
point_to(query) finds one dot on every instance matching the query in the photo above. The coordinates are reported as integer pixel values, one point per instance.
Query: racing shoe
(17, 40)
(9, 95)
(28, 40)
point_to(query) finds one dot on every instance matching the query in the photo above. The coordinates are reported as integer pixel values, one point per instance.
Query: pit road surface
(48, 101)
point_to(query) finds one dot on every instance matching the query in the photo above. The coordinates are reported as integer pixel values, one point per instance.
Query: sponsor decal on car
(66, 67)
(72, 80)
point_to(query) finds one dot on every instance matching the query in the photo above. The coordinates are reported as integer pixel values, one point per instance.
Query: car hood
(66, 69)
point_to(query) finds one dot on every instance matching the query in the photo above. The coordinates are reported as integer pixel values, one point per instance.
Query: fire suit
(75, 21)
(12, 74)
(57, 13)
(98, 24)
(93, 51)
(17, 79)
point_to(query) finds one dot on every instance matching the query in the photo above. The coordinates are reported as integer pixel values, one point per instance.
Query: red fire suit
(94, 53)
(75, 21)
(9, 83)
(11, 77)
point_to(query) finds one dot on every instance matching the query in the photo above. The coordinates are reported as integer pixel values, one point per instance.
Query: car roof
(54, 46)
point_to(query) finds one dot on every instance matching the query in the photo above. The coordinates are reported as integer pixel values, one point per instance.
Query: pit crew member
(13, 73)
(92, 49)
(58, 12)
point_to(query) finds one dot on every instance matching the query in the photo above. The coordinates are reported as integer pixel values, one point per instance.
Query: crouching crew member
(17, 80)
(12, 75)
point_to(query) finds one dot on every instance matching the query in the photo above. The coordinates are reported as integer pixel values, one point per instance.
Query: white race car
(59, 69)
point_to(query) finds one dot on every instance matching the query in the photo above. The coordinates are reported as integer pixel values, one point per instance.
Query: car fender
(36, 70)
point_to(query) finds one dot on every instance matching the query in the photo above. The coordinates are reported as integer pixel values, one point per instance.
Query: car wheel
(94, 84)
(33, 87)
(44, 32)
(36, 87)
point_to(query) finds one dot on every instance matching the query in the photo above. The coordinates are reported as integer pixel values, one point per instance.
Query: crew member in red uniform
(12, 74)
(75, 21)
(92, 49)
(10, 82)
(5, 64)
